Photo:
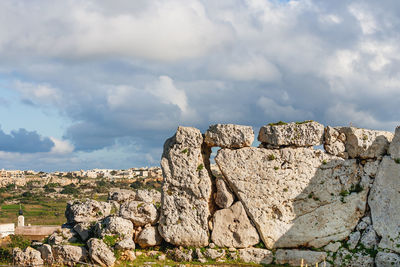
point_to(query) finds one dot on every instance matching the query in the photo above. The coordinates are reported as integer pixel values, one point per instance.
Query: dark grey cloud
(127, 74)
(23, 141)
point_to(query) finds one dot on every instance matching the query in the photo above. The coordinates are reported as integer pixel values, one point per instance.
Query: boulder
(333, 247)
(63, 236)
(180, 255)
(187, 189)
(394, 148)
(366, 144)
(384, 201)
(214, 254)
(296, 196)
(69, 255)
(369, 238)
(150, 196)
(224, 196)
(256, 255)
(46, 253)
(125, 244)
(229, 136)
(299, 134)
(294, 257)
(114, 226)
(100, 253)
(371, 167)
(88, 211)
(232, 228)
(387, 259)
(348, 259)
(27, 257)
(334, 142)
(149, 237)
(121, 195)
(84, 230)
(139, 212)
(353, 240)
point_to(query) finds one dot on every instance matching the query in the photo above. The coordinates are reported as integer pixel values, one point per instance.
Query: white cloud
(38, 93)
(61, 146)
(276, 111)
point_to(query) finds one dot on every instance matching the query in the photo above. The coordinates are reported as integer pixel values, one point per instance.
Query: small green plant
(276, 168)
(140, 205)
(277, 123)
(365, 137)
(311, 195)
(200, 167)
(356, 188)
(185, 151)
(271, 157)
(302, 122)
(111, 240)
(285, 189)
(324, 162)
(397, 160)
(344, 193)
(19, 241)
(260, 245)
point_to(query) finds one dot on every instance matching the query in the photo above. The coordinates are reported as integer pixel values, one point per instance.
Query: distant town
(131, 173)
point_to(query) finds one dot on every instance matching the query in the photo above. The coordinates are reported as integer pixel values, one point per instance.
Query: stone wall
(284, 202)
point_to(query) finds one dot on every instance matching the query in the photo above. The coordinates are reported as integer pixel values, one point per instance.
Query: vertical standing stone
(187, 190)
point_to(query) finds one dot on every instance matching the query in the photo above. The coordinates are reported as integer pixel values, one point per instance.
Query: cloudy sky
(99, 83)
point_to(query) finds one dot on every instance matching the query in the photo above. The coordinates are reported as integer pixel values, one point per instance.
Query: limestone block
(88, 211)
(256, 255)
(229, 136)
(293, 257)
(100, 253)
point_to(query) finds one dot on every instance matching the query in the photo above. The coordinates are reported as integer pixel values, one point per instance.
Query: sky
(102, 84)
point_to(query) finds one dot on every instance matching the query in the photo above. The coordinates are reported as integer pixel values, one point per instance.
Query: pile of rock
(283, 202)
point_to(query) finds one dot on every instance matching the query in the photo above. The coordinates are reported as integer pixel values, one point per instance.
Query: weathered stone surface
(46, 253)
(63, 236)
(121, 195)
(88, 211)
(295, 197)
(232, 228)
(384, 259)
(139, 212)
(384, 201)
(150, 196)
(114, 226)
(100, 253)
(364, 143)
(125, 244)
(292, 134)
(332, 247)
(334, 142)
(214, 254)
(149, 237)
(369, 238)
(358, 259)
(27, 257)
(224, 196)
(84, 230)
(353, 240)
(371, 167)
(69, 255)
(256, 255)
(394, 148)
(182, 255)
(187, 189)
(229, 136)
(293, 257)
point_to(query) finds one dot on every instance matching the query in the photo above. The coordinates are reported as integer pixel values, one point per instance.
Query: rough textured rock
(69, 255)
(149, 237)
(358, 259)
(27, 257)
(353, 240)
(256, 255)
(293, 257)
(292, 134)
(369, 238)
(229, 136)
(295, 196)
(394, 148)
(113, 226)
(139, 212)
(384, 259)
(224, 196)
(364, 143)
(125, 244)
(371, 167)
(46, 253)
(100, 253)
(84, 230)
(214, 254)
(384, 201)
(150, 196)
(88, 211)
(187, 189)
(334, 142)
(232, 228)
(121, 195)
(332, 247)
(63, 236)
(182, 255)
